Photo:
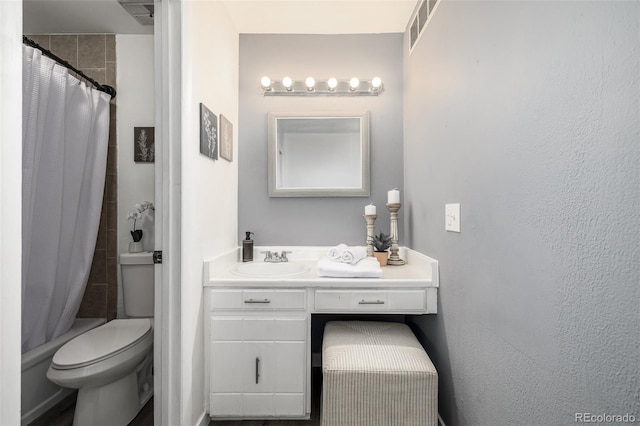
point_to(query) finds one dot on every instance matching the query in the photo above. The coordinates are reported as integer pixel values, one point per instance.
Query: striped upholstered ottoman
(376, 374)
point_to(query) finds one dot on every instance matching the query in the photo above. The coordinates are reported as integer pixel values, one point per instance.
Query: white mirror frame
(330, 191)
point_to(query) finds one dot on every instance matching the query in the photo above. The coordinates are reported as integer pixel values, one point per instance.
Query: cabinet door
(257, 366)
(226, 367)
(257, 370)
(276, 384)
(287, 372)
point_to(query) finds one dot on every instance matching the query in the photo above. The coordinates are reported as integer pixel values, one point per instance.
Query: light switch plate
(452, 217)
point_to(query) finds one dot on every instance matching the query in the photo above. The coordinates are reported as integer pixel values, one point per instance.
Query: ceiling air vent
(419, 23)
(141, 10)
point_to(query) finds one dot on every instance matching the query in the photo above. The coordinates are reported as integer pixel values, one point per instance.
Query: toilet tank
(137, 284)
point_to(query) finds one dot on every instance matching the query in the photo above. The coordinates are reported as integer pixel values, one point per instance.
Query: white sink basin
(268, 269)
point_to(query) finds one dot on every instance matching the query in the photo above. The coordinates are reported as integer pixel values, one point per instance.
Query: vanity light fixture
(310, 82)
(287, 83)
(265, 82)
(312, 87)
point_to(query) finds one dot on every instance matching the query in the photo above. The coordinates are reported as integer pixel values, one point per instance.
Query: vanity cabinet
(258, 329)
(258, 344)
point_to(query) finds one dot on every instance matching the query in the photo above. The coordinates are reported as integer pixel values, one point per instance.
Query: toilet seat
(101, 343)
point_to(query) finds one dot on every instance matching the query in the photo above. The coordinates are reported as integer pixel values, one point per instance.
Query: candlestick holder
(394, 258)
(371, 219)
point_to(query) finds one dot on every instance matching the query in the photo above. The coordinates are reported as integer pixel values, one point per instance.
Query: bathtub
(38, 393)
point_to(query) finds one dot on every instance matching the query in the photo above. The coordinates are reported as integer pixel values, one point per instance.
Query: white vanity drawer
(250, 299)
(227, 328)
(370, 300)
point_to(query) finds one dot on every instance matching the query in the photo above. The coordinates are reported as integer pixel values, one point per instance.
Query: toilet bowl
(111, 367)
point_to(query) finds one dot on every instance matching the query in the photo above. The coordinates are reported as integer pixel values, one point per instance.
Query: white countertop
(419, 271)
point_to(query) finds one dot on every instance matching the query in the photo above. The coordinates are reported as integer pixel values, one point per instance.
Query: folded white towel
(365, 268)
(353, 255)
(335, 253)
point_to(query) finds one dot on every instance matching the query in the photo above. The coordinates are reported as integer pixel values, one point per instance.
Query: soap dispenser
(247, 248)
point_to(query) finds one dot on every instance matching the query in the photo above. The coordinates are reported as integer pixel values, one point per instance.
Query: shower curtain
(64, 135)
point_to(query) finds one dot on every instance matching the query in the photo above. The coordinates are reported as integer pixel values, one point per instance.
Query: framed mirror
(319, 154)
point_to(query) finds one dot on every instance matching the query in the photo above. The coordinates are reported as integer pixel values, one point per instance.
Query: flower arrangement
(137, 214)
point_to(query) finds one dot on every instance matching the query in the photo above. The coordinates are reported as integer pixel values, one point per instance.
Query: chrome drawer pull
(257, 301)
(371, 302)
(257, 370)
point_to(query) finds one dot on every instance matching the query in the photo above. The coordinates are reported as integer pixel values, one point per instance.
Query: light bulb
(354, 83)
(266, 82)
(287, 82)
(332, 83)
(376, 82)
(310, 82)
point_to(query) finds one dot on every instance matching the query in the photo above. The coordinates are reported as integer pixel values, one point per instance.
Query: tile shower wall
(95, 55)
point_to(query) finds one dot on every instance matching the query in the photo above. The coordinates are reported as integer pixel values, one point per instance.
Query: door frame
(167, 326)
(10, 209)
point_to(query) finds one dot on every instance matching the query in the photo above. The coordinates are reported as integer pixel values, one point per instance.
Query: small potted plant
(136, 234)
(381, 244)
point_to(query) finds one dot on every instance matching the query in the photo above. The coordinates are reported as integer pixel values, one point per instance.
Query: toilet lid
(101, 343)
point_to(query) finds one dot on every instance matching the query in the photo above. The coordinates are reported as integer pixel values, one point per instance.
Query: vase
(135, 247)
(136, 235)
(382, 257)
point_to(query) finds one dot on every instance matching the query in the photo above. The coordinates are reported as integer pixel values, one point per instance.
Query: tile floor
(62, 414)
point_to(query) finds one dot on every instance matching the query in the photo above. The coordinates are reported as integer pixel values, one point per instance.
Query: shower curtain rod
(101, 87)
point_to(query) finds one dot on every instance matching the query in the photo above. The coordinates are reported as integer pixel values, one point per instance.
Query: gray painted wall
(527, 113)
(317, 221)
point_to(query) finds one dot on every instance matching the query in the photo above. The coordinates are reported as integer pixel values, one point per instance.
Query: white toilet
(112, 365)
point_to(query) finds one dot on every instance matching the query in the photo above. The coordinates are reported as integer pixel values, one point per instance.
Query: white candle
(393, 196)
(370, 210)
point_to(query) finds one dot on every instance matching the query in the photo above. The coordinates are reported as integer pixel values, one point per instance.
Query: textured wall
(95, 55)
(527, 114)
(317, 221)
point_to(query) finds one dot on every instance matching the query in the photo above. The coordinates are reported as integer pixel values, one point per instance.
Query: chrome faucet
(283, 256)
(275, 257)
